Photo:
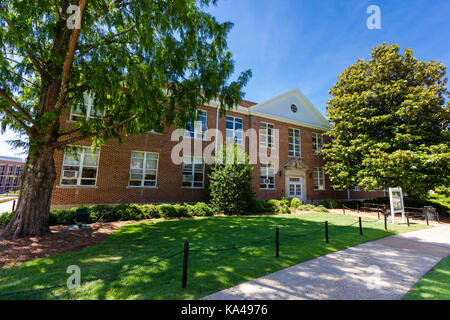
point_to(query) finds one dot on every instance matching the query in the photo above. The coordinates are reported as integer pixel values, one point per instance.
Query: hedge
(131, 211)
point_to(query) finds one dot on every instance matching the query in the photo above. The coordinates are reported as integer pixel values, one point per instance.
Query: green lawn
(435, 285)
(143, 243)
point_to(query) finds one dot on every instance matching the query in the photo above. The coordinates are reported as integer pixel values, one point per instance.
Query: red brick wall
(114, 165)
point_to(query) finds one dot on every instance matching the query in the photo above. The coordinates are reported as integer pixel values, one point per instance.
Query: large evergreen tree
(390, 124)
(148, 63)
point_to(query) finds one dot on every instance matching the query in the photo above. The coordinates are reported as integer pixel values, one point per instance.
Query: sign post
(396, 201)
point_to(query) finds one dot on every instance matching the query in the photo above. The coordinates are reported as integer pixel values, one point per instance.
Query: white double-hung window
(317, 142)
(234, 130)
(80, 167)
(294, 143)
(266, 135)
(193, 172)
(267, 177)
(90, 112)
(319, 179)
(143, 169)
(197, 128)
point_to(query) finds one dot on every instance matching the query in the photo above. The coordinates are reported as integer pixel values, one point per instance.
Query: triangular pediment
(292, 106)
(296, 164)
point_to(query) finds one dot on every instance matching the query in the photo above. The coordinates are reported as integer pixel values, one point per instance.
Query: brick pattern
(114, 165)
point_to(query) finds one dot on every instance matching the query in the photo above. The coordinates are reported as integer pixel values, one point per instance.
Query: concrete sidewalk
(382, 269)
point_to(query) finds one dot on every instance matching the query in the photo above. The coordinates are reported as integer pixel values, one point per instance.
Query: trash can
(431, 213)
(82, 216)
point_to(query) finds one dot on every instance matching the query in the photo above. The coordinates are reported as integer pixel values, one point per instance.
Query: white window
(267, 177)
(193, 172)
(294, 143)
(234, 130)
(193, 129)
(266, 135)
(80, 167)
(143, 169)
(317, 142)
(319, 179)
(77, 114)
(357, 188)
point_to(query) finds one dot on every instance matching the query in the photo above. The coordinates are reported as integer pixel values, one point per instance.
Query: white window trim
(193, 174)
(198, 135)
(234, 130)
(318, 178)
(80, 170)
(267, 136)
(356, 188)
(315, 135)
(267, 175)
(143, 170)
(89, 102)
(299, 142)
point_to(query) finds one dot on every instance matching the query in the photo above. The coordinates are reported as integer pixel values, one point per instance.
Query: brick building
(10, 170)
(141, 169)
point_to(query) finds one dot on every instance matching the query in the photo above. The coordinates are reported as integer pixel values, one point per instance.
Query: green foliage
(281, 206)
(295, 203)
(200, 209)
(5, 217)
(166, 210)
(390, 124)
(230, 183)
(329, 203)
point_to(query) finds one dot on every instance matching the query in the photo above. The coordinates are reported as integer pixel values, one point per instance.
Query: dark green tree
(390, 124)
(230, 182)
(148, 63)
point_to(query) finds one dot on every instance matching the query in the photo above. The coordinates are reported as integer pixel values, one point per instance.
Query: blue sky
(306, 44)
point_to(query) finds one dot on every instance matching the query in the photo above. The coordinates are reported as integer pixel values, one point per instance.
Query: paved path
(382, 269)
(6, 206)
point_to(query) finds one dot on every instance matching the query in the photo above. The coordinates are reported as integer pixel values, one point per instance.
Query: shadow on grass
(144, 243)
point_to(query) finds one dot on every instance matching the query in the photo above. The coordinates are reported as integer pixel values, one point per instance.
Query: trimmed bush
(200, 209)
(329, 204)
(149, 211)
(281, 206)
(295, 203)
(5, 218)
(258, 206)
(166, 210)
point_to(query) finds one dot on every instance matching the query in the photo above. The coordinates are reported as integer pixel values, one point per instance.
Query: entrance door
(295, 188)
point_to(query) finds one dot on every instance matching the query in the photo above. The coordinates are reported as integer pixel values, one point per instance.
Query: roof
(247, 104)
(15, 159)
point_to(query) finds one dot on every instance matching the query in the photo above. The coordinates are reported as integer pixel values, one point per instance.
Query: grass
(143, 243)
(435, 285)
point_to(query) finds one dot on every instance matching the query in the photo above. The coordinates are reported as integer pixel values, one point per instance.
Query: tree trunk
(33, 209)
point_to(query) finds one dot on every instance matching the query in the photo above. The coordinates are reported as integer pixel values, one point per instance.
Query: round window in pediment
(294, 107)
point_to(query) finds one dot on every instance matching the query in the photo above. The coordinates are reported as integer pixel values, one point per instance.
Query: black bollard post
(14, 205)
(378, 212)
(360, 226)
(385, 221)
(326, 231)
(426, 217)
(185, 265)
(277, 242)
(343, 208)
(407, 219)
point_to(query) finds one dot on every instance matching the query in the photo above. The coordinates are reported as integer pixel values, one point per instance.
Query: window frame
(80, 169)
(234, 130)
(266, 175)
(293, 142)
(265, 143)
(143, 170)
(195, 134)
(318, 176)
(89, 103)
(315, 142)
(192, 182)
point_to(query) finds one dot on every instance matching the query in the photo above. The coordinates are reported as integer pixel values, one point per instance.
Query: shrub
(329, 204)
(281, 206)
(126, 211)
(230, 184)
(295, 203)
(101, 213)
(260, 206)
(166, 210)
(149, 211)
(63, 217)
(200, 209)
(181, 210)
(5, 217)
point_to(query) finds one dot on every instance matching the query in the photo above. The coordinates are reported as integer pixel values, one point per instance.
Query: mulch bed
(60, 240)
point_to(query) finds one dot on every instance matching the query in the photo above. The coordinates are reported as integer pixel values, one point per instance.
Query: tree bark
(31, 217)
